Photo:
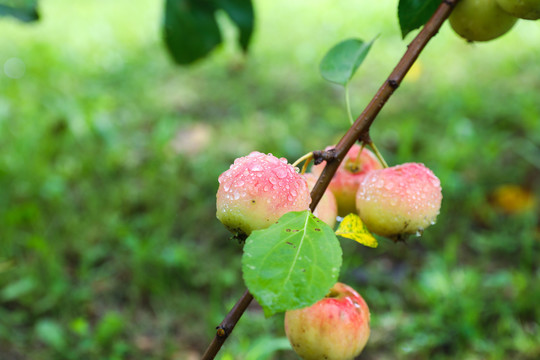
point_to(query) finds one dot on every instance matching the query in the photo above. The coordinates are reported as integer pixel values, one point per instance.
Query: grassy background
(109, 157)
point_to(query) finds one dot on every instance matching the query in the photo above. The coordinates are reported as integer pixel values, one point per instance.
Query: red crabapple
(349, 175)
(334, 328)
(399, 200)
(257, 190)
(326, 209)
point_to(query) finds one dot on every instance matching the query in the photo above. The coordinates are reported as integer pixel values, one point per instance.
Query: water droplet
(226, 186)
(256, 167)
(266, 188)
(281, 173)
(293, 192)
(273, 180)
(380, 183)
(236, 195)
(240, 183)
(289, 198)
(389, 185)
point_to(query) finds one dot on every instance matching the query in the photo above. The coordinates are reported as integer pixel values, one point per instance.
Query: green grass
(109, 158)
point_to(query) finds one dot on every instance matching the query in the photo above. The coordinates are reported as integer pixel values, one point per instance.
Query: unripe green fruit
(334, 328)
(480, 20)
(326, 209)
(399, 200)
(524, 9)
(257, 190)
(348, 176)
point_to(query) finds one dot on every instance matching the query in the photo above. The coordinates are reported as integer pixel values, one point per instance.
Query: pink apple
(349, 175)
(399, 200)
(334, 328)
(257, 190)
(326, 209)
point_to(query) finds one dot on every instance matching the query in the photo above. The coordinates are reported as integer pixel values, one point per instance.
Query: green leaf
(341, 62)
(352, 227)
(242, 14)
(413, 14)
(291, 264)
(51, 333)
(191, 31)
(23, 10)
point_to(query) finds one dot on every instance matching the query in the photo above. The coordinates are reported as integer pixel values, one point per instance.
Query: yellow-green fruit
(524, 9)
(480, 20)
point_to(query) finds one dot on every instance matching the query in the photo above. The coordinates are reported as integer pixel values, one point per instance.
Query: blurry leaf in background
(413, 14)
(110, 326)
(51, 333)
(341, 62)
(513, 199)
(264, 347)
(23, 10)
(352, 227)
(291, 264)
(191, 31)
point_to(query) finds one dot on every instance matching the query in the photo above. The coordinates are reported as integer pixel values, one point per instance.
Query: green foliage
(341, 62)
(23, 10)
(413, 14)
(191, 30)
(291, 264)
(110, 158)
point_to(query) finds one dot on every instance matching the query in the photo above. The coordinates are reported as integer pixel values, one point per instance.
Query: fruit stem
(348, 104)
(377, 154)
(307, 158)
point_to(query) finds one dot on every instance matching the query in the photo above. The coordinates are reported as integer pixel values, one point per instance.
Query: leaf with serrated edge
(413, 14)
(341, 62)
(353, 228)
(292, 264)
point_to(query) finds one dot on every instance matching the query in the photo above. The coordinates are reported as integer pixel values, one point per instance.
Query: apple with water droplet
(348, 176)
(257, 190)
(399, 200)
(334, 328)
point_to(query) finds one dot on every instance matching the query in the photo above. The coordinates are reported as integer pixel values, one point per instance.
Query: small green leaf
(413, 14)
(22, 10)
(291, 264)
(341, 62)
(352, 227)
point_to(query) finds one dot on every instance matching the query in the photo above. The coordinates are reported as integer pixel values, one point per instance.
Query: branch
(359, 130)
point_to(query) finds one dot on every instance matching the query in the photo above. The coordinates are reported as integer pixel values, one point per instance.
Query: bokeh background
(109, 158)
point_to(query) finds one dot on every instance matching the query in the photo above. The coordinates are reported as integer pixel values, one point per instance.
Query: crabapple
(480, 20)
(257, 190)
(334, 328)
(524, 9)
(399, 200)
(326, 209)
(348, 176)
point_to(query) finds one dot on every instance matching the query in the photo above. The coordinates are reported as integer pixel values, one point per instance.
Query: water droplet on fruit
(266, 188)
(293, 192)
(226, 186)
(289, 198)
(380, 183)
(240, 183)
(273, 180)
(389, 186)
(256, 167)
(236, 195)
(281, 173)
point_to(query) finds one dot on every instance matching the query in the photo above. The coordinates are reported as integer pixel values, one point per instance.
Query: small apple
(480, 20)
(348, 176)
(257, 190)
(399, 200)
(524, 9)
(334, 328)
(326, 209)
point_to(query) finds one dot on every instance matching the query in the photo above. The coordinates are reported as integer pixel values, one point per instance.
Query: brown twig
(359, 130)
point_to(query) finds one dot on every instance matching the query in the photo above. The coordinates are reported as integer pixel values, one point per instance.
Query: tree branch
(359, 130)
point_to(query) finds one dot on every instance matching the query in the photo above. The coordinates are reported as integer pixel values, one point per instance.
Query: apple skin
(524, 9)
(257, 190)
(334, 328)
(399, 200)
(480, 20)
(348, 176)
(326, 209)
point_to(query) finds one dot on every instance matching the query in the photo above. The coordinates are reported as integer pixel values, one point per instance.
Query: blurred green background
(109, 158)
